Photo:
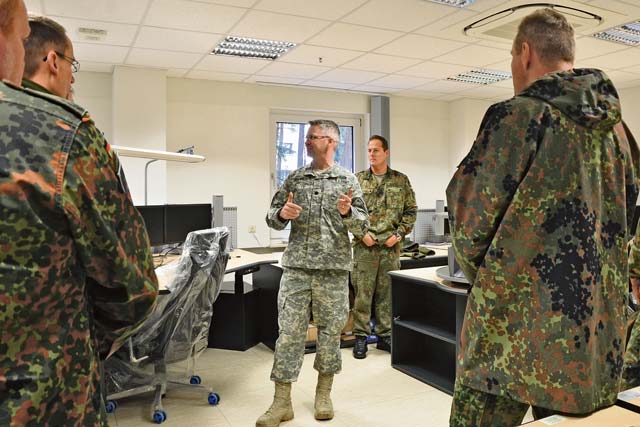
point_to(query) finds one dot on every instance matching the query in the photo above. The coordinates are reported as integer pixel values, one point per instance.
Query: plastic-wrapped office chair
(176, 331)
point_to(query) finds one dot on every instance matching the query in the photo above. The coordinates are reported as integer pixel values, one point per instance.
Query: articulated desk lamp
(182, 155)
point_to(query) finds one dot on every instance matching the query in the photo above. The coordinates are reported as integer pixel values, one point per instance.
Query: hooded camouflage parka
(539, 211)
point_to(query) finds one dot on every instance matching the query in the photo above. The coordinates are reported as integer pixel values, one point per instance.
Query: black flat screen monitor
(153, 217)
(179, 220)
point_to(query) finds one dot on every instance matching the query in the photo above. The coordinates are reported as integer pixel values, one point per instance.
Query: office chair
(176, 332)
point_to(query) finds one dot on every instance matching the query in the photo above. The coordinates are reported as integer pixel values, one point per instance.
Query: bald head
(14, 29)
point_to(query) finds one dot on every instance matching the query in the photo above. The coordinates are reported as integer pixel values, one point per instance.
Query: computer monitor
(179, 220)
(153, 217)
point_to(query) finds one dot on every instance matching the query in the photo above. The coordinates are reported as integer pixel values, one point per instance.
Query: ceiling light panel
(246, 47)
(454, 3)
(627, 34)
(481, 76)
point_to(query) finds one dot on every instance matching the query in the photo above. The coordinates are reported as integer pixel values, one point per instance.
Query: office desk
(267, 281)
(427, 314)
(234, 325)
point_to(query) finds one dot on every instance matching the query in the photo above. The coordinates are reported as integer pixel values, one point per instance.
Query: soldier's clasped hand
(368, 240)
(344, 203)
(290, 210)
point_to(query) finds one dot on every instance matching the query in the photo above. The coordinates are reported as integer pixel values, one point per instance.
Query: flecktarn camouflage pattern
(539, 211)
(392, 208)
(75, 267)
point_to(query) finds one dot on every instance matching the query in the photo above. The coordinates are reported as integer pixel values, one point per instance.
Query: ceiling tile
(449, 97)
(162, 58)
(97, 67)
(589, 47)
(484, 5)
(474, 56)
(274, 79)
(330, 85)
(400, 15)
(635, 69)
(489, 91)
(349, 76)
(415, 46)
(123, 11)
(188, 15)
(177, 72)
(618, 76)
(621, 59)
(215, 75)
(445, 86)
(451, 26)
(399, 82)
(89, 52)
(326, 9)
(238, 3)
(419, 94)
(117, 34)
(34, 7)
(177, 40)
(354, 37)
(231, 64)
(434, 70)
(504, 65)
(377, 89)
(380, 63)
(331, 57)
(296, 71)
(274, 26)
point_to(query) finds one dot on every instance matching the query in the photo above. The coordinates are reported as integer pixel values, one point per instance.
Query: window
(289, 152)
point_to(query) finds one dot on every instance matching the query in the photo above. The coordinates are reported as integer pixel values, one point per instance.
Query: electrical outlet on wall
(252, 229)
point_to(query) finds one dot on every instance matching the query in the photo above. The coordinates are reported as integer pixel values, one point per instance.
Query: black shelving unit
(427, 319)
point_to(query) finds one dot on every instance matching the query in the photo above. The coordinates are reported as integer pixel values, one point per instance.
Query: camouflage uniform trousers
(326, 292)
(371, 280)
(475, 408)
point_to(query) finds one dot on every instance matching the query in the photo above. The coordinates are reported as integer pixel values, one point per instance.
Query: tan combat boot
(323, 406)
(280, 410)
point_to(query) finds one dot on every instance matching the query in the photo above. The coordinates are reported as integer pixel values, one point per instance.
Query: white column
(140, 120)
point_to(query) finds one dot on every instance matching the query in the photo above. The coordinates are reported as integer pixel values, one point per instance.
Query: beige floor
(368, 393)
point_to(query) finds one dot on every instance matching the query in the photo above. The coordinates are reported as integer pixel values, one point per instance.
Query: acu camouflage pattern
(75, 267)
(319, 238)
(539, 211)
(392, 208)
(326, 293)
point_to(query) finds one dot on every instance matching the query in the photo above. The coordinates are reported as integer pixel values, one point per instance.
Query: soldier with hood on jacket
(539, 212)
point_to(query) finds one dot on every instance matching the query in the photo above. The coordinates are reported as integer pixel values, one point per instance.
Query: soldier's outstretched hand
(290, 210)
(344, 203)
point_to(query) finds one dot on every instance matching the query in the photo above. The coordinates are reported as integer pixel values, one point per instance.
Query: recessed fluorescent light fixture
(481, 76)
(246, 47)
(454, 3)
(628, 34)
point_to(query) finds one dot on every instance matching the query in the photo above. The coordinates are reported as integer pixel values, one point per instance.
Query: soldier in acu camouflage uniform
(75, 267)
(539, 211)
(391, 203)
(322, 201)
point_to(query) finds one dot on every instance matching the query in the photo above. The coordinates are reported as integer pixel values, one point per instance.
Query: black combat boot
(384, 344)
(360, 348)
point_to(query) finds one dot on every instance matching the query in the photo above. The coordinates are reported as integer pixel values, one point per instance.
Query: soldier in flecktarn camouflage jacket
(539, 210)
(76, 273)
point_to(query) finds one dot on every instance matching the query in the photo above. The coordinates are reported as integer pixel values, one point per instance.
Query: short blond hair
(549, 34)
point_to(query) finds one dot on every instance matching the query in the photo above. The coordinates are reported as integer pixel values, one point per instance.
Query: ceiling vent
(501, 25)
(92, 34)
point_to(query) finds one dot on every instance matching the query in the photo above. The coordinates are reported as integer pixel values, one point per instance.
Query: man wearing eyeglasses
(49, 60)
(322, 201)
(76, 273)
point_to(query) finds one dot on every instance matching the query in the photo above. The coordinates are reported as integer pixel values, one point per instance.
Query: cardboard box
(613, 416)
(312, 333)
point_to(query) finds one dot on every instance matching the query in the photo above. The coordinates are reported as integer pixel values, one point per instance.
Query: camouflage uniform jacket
(319, 238)
(75, 267)
(539, 211)
(391, 204)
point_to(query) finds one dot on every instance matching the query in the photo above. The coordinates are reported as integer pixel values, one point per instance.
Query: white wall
(419, 137)
(465, 116)
(630, 100)
(93, 91)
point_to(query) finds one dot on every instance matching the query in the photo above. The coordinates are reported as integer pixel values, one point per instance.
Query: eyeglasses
(75, 65)
(316, 137)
